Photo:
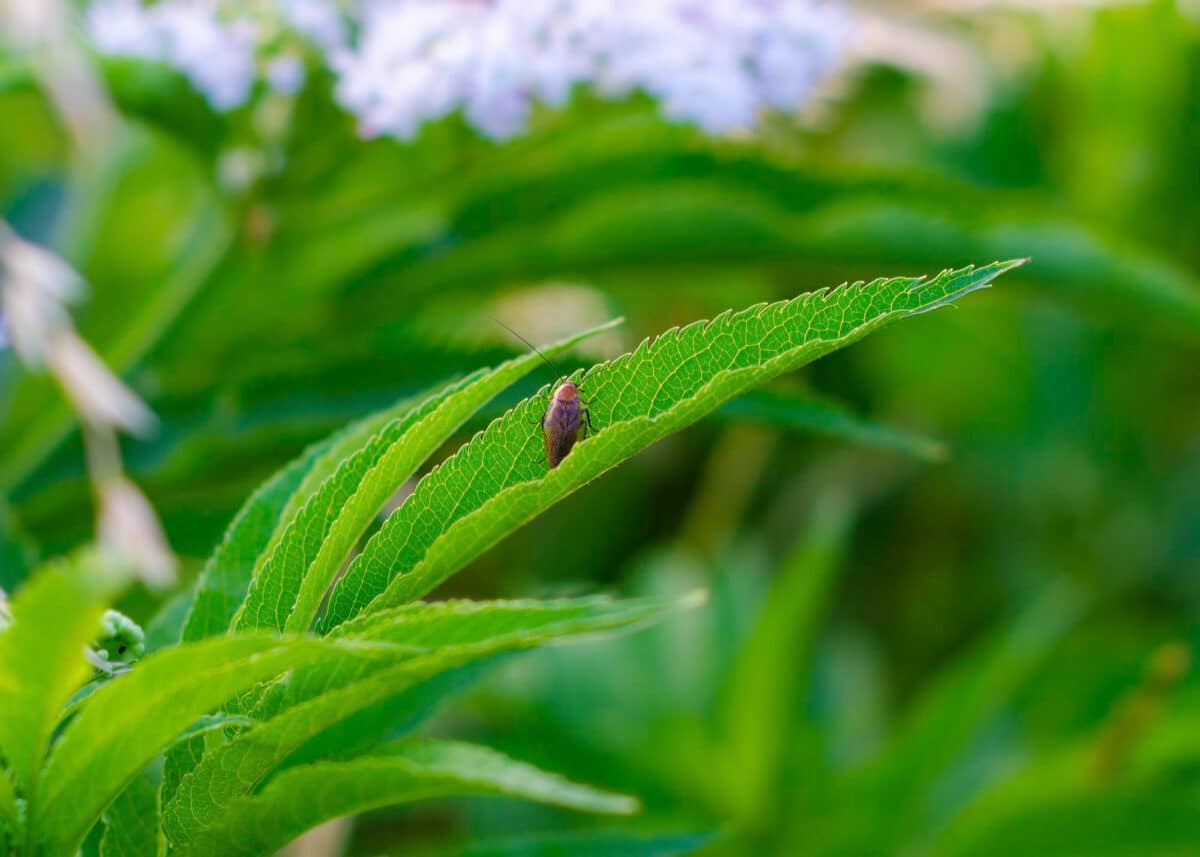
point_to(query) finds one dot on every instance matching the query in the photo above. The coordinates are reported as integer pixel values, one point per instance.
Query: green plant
(265, 728)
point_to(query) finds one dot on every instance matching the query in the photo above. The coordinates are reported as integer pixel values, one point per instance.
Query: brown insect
(564, 420)
(565, 417)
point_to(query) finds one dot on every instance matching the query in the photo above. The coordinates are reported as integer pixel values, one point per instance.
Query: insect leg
(587, 419)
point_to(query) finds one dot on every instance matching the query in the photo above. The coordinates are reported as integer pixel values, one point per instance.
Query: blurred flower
(956, 72)
(98, 395)
(716, 63)
(36, 285)
(129, 528)
(285, 74)
(5, 611)
(35, 289)
(319, 21)
(217, 57)
(124, 28)
(43, 33)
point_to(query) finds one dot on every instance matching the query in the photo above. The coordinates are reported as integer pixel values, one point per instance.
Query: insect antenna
(545, 359)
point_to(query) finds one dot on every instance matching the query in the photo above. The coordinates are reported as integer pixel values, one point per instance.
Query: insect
(566, 415)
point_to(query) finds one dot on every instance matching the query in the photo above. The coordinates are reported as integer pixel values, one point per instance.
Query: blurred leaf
(500, 480)
(11, 827)
(165, 627)
(899, 785)
(16, 555)
(762, 699)
(602, 844)
(55, 616)
(807, 413)
(682, 208)
(1112, 823)
(300, 798)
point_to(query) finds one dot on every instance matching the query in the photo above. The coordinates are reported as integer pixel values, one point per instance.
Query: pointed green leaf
(259, 524)
(257, 527)
(55, 615)
(501, 480)
(124, 724)
(301, 798)
(291, 585)
(315, 699)
(427, 627)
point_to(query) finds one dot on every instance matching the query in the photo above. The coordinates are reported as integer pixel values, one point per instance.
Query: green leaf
(10, 812)
(166, 626)
(603, 844)
(291, 585)
(953, 711)
(315, 699)
(501, 480)
(390, 718)
(808, 413)
(16, 554)
(1112, 822)
(301, 798)
(259, 525)
(769, 679)
(123, 725)
(132, 823)
(55, 615)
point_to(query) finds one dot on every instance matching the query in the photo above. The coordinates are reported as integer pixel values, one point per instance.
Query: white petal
(129, 527)
(98, 395)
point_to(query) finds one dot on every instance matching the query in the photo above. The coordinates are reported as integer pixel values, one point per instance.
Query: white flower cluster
(216, 56)
(716, 63)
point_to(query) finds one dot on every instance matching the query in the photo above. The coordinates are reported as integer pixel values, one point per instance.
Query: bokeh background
(953, 571)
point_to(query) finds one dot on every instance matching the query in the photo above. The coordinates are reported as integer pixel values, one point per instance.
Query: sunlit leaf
(501, 479)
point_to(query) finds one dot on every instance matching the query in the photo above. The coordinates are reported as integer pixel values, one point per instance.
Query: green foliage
(755, 658)
(589, 845)
(314, 700)
(10, 812)
(806, 413)
(916, 673)
(500, 480)
(301, 797)
(268, 765)
(53, 619)
(131, 823)
(291, 584)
